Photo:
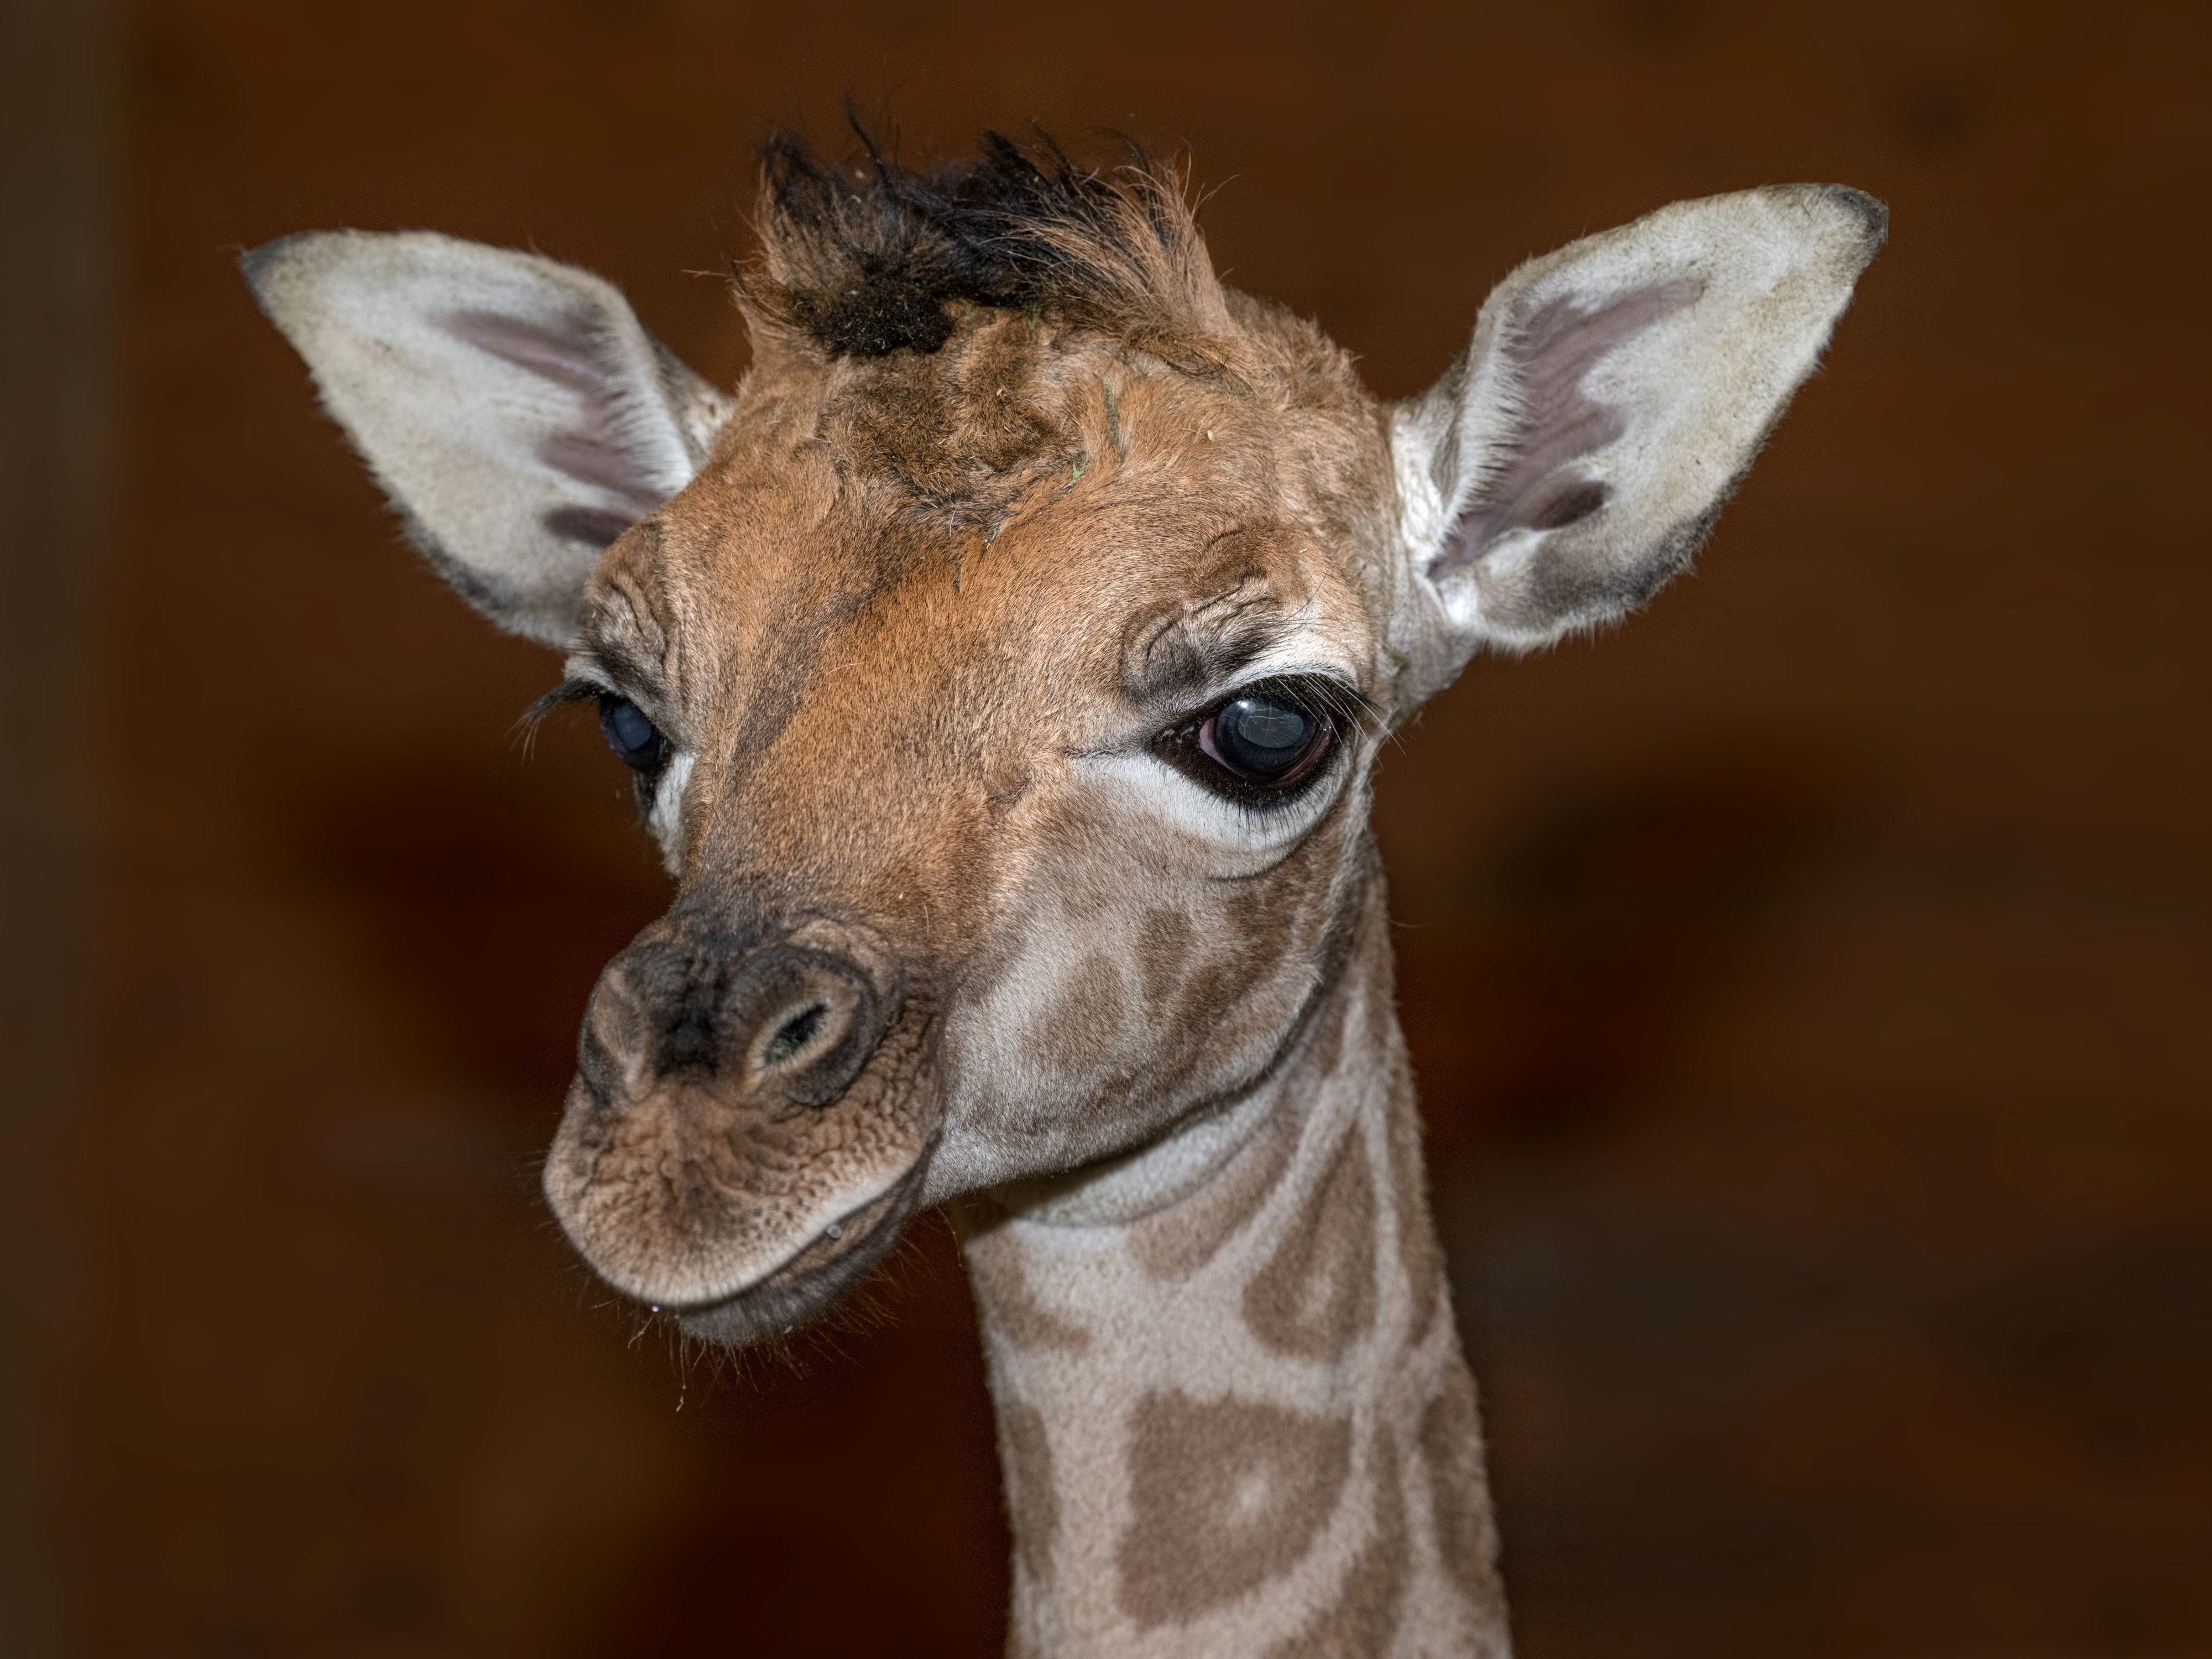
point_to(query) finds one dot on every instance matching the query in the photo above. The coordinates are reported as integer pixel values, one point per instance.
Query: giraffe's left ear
(1615, 392)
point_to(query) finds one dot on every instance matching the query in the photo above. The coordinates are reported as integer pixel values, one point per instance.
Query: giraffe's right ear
(514, 408)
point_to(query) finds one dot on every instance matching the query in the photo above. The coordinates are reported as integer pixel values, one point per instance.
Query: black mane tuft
(863, 257)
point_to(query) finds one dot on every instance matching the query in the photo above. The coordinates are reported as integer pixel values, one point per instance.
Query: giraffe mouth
(804, 1287)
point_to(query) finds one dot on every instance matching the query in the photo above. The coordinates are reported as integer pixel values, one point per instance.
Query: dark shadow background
(1809, 982)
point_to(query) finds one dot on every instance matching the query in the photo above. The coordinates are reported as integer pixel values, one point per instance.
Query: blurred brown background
(1809, 982)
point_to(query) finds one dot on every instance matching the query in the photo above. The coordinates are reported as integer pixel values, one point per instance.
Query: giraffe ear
(1614, 394)
(514, 408)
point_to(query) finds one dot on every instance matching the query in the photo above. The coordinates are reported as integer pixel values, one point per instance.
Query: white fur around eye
(666, 820)
(1249, 837)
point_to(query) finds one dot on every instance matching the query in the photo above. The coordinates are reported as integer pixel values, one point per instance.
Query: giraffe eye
(636, 739)
(1259, 746)
(1265, 738)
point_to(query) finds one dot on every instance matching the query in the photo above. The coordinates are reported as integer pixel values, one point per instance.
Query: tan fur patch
(1363, 1619)
(1007, 1304)
(1163, 946)
(1032, 1499)
(1327, 1040)
(1078, 1026)
(1224, 1495)
(1315, 1296)
(1262, 921)
(1178, 1241)
(1459, 1490)
(1418, 1253)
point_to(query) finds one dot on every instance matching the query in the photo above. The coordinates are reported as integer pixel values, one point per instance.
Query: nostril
(794, 1035)
(781, 1025)
(811, 1022)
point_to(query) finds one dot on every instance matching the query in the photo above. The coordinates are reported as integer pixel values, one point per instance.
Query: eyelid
(1342, 700)
(617, 672)
(586, 683)
(601, 680)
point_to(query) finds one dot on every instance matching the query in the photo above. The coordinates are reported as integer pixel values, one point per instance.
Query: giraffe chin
(813, 1282)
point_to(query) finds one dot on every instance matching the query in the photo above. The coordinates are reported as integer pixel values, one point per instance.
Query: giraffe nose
(783, 1023)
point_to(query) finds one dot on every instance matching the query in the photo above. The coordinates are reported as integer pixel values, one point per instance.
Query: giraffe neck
(1233, 1414)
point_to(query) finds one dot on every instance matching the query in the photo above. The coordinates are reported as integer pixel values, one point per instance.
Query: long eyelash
(569, 691)
(1349, 705)
(1349, 708)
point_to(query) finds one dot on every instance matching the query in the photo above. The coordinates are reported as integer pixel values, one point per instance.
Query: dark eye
(1264, 738)
(631, 735)
(1258, 747)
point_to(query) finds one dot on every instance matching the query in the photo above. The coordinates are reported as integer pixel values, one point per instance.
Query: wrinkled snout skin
(941, 921)
(745, 1110)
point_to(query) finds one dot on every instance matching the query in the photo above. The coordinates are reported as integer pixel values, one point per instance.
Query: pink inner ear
(576, 354)
(1550, 353)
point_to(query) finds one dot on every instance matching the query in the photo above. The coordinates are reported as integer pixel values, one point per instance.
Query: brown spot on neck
(1032, 1500)
(1009, 1307)
(1363, 1619)
(1316, 1296)
(1176, 1241)
(1224, 1495)
(1459, 1494)
(1419, 1255)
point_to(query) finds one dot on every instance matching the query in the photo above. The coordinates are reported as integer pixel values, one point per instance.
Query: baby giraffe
(1003, 665)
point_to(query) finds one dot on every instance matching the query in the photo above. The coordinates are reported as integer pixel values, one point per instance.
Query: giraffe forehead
(1129, 587)
(1011, 501)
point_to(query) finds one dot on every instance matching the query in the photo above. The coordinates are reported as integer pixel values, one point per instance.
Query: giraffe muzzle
(749, 1122)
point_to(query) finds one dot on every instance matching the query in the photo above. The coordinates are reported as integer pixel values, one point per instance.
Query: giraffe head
(1002, 664)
